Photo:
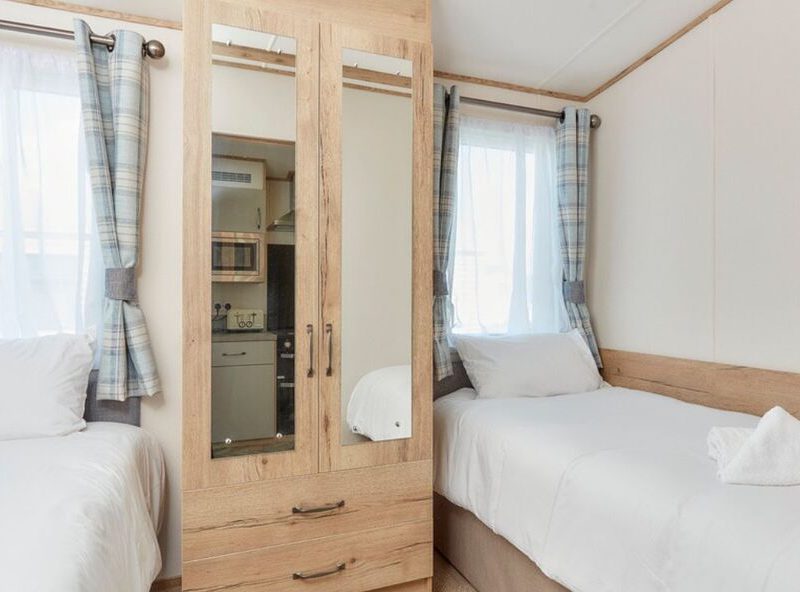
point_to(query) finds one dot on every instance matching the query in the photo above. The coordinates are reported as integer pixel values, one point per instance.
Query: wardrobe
(336, 493)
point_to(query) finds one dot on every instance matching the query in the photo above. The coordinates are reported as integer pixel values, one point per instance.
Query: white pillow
(43, 385)
(528, 365)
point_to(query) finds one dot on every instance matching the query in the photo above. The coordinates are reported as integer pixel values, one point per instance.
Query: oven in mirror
(377, 133)
(253, 243)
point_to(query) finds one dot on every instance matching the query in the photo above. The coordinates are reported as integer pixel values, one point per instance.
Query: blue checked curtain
(445, 166)
(114, 89)
(572, 163)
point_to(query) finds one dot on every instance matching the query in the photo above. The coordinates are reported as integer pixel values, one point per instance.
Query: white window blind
(506, 272)
(51, 277)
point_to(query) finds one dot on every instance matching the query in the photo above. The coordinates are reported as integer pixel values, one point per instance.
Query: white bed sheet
(80, 513)
(613, 490)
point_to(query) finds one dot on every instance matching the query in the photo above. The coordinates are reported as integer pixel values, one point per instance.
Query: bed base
(488, 561)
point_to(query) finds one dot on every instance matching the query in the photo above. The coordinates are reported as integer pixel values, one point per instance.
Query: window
(50, 262)
(506, 266)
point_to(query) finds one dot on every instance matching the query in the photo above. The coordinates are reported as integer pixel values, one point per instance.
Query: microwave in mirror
(237, 257)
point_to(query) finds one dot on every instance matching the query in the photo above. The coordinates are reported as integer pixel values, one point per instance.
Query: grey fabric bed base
(115, 411)
(487, 560)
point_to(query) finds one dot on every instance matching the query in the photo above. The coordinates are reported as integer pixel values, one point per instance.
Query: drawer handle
(317, 509)
(226, 354)
(310, 575)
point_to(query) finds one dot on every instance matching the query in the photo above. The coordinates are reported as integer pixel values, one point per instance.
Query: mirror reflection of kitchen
(377, 150)
(252, 314)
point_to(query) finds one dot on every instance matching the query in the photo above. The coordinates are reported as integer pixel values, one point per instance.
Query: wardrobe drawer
(242, 353)
(355, 562)
(239, 518)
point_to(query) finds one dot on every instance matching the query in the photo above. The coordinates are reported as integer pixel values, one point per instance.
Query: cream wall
(694, 225)
(160, 277)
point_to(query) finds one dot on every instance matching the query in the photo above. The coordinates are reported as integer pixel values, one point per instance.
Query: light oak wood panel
(199, 470)
(224, 520)
(333, 455)
(410, 19)
(102, 12)
(507, 86)
(425, 585)
(372, 559)
(723, 386)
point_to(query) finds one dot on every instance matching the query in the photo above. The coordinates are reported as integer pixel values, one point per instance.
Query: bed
(80, 513)
(607, 490)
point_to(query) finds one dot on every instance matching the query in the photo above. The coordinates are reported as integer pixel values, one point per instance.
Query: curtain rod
(153, 49)
(594, 120)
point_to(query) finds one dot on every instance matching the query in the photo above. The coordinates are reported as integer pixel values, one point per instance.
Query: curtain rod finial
(595, 121)
(154, 49)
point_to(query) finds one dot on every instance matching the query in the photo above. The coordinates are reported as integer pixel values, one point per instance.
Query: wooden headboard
(735, 388)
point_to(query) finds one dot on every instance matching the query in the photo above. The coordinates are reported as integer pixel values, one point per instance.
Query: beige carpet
(445, 578)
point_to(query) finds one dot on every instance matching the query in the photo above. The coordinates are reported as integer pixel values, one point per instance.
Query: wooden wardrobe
(311, 504)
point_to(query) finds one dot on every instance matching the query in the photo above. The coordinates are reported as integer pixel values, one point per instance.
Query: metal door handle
(310, 575)
(318, 509)
(226, 354)
(329, 334)
(310, 333)
(258, 223)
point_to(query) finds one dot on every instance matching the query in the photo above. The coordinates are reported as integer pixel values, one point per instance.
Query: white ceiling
(571, 46)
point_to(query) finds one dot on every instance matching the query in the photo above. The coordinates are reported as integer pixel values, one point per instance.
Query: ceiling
(569, 46)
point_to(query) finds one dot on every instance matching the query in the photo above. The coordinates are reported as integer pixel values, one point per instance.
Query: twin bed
(610, 490)
(81, 512)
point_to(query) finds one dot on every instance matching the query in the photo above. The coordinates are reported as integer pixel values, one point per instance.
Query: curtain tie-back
(440, 284)
(574, 292)
(121, 283)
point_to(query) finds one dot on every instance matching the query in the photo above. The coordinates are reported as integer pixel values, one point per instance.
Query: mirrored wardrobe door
(369, 90)
(260, 226)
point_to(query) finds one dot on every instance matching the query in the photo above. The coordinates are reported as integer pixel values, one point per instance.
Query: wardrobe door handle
(226, 354)
(310, 333)
(258, 219)
(310, 575)
(317, 509)
(329, 334)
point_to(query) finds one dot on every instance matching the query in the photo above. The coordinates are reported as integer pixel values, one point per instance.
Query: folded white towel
(767, 455)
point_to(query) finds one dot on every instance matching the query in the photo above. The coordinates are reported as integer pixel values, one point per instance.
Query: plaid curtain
(114, 89)
(445, 165)
(572, 162)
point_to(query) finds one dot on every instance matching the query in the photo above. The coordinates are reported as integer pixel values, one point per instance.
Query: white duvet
(79, 513)
(613, 490)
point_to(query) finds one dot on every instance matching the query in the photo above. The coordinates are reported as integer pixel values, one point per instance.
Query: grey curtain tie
(574, 292)
(121, 283)
(440, 284)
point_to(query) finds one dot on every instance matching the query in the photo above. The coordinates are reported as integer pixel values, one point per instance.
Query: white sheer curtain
(507, 266)
(51, 277)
